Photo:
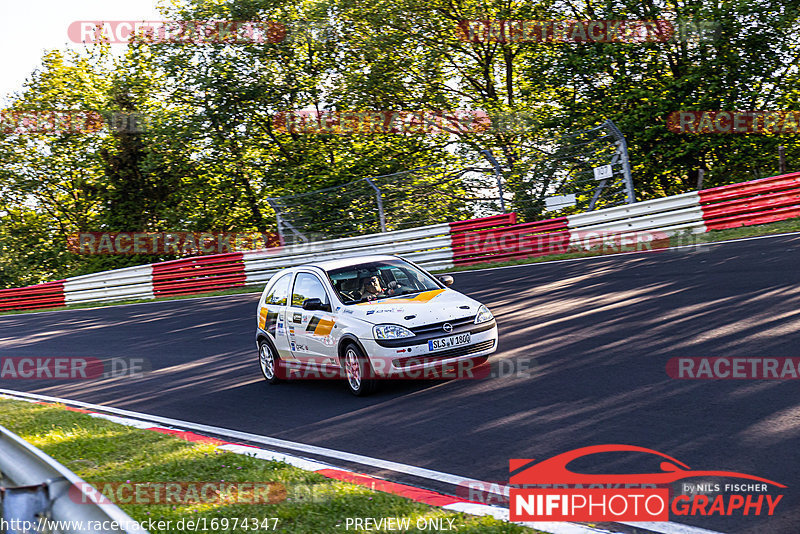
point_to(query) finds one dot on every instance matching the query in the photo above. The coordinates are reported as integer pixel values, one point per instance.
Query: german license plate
(448, 342)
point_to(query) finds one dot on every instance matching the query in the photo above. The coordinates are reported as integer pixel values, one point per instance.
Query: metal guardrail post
(46, 490)
(279, 222)
(379, 197)
(622, 147)
(498, 175)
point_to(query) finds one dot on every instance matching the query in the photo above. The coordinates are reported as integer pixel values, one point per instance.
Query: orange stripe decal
(423, 297)
(427, 296)
(262, 317)
(324, 327)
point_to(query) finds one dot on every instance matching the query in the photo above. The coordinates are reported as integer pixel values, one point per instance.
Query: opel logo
(447, 327)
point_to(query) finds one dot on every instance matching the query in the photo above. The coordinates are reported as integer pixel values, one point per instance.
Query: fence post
(622, 146)
(278, 220)
(378, 196)
(498, 176)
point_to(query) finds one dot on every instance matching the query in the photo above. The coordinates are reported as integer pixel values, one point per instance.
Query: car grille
(443, 355)
(436, 328)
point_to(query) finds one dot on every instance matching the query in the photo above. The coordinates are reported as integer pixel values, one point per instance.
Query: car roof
(347, 262)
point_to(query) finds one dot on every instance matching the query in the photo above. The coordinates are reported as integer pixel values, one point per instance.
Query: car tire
(268, 361)
(356, 369)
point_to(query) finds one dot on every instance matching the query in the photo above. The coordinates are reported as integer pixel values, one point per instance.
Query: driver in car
(372, 289)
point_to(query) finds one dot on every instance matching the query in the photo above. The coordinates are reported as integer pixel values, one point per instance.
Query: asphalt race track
(595, 334)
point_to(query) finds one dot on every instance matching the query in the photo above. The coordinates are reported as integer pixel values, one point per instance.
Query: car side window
(279, 293)
(307, 286)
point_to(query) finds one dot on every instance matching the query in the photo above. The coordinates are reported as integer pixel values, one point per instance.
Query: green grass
(100, 451)
(781, 227)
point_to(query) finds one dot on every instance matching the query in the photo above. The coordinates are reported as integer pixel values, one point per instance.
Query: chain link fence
(408, 199)
(579, 172)
(574, 173)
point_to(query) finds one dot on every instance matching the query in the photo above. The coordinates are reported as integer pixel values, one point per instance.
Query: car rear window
(279, 293)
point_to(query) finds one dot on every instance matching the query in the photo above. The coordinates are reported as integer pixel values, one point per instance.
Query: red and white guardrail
(435, 247)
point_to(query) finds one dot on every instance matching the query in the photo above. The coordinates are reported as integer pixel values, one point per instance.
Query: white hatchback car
(369, 318)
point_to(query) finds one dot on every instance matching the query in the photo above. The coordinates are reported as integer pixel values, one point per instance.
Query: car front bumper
(415, 361)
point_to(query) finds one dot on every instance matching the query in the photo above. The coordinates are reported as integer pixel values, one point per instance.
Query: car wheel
(357, 371)
(268, 361)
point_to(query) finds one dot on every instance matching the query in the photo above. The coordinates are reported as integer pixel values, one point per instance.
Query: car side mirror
(315, 304)
(446, 279)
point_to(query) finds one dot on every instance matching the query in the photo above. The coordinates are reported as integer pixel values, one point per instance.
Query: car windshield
(379, 280)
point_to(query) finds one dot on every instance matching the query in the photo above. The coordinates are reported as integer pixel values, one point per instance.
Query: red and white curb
(185, 431)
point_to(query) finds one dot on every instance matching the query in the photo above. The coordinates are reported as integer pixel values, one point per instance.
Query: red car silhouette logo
(554, 470)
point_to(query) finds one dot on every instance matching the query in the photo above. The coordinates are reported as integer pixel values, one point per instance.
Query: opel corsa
(369, 318)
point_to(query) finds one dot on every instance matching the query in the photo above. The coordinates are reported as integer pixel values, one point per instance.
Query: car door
(272, 315)
(310, 331)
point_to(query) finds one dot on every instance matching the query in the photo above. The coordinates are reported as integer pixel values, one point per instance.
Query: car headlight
(483, 315)
(391, 331)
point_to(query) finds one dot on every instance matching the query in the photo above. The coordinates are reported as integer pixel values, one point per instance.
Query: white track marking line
(262, 454)
(123, 420)
(502, 514)
(266, 440)
(667, 527)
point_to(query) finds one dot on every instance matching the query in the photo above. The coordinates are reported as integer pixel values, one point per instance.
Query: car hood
(417, 309)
